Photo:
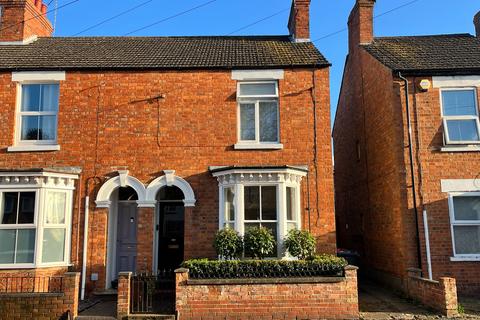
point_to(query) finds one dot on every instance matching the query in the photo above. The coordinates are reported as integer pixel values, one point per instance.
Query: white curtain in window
(55, 208)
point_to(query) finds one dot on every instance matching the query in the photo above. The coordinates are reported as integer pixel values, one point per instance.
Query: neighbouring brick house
(376, 211)
(159, 141)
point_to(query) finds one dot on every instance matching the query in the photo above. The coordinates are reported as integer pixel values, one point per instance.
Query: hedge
(325, 265)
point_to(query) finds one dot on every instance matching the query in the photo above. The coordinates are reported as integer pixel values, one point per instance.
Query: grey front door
(127, 236)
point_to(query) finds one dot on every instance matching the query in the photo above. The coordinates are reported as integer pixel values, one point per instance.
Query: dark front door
(127, 236)
(170, 235)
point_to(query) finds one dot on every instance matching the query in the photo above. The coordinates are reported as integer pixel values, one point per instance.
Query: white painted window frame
(447, 140)
(20, 113)
(454, 222)
(256, 100)
(282, 223)
(40, 225)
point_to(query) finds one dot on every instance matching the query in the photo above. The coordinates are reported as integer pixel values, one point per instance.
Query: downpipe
(85, 248)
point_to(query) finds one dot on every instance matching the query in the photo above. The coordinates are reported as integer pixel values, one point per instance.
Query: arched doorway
(170, 228)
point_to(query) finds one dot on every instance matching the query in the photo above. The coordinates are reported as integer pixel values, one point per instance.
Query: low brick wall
(123, 300)
(439, 295)
(42, 305)
(283, 298)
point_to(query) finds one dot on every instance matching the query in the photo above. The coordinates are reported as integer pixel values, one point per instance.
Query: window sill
(33, 266)
(259, 146)
(465, 259)
(33, 148)
(465, 148)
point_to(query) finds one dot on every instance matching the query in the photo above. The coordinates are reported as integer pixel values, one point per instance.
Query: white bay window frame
(281, 179)
(455, 223)
(446, 118)
(41, 184)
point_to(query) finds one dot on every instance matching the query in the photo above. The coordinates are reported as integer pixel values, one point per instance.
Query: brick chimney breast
(20, 20)
(360, 23)
(476, 22)
(299, 21)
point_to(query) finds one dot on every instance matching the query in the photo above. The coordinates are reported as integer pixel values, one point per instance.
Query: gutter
(412, 170)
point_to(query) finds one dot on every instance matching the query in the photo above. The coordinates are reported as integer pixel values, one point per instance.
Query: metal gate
(153, 293)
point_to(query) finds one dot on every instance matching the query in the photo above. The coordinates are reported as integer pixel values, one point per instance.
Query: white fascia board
(273, 74)
(21, 76)
(460, 185)
(456, 81)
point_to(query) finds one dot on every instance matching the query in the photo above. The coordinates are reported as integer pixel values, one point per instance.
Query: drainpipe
(85, 248)
(412, 170)
(427, 244)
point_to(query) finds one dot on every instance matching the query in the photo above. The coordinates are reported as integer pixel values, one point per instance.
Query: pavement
(379, 303)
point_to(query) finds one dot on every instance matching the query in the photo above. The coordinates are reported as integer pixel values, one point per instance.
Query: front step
(94, 318)
(151, 317)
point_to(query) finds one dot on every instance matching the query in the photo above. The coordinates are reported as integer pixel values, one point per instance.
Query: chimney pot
(476, 22)
(44, 8)
(299, 21)
(38, 4)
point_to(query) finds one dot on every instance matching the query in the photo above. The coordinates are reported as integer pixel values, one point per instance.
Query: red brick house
(406, 139)
(129, 153)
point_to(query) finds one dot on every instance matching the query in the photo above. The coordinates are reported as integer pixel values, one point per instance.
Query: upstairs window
(37, 117)
(460, 116)
(258, 112)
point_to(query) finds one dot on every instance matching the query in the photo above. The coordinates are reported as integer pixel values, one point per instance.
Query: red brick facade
(327, 299)
(374, 203)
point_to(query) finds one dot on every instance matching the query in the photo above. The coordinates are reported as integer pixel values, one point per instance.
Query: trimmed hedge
(324, 265)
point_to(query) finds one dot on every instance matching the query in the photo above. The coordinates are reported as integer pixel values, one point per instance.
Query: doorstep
(151, 317)
(94, 318)
(107, 292)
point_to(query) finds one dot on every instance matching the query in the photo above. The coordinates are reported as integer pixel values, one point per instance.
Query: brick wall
(42, 305)
(439, 295)
(220, 299)
(193, 128)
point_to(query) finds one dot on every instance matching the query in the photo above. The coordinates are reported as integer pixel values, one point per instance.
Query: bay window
(35, 219)
(267, 198)
(465, 224)
(460, 116)
(258, 115)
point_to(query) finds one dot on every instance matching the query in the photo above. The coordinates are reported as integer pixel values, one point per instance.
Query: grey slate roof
(160, 53)
(437, 54)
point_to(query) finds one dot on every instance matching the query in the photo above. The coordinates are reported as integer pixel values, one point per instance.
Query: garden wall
(39, 303)
(439, 295)
(276, 298)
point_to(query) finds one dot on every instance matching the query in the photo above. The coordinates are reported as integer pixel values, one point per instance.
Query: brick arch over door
(170, 179)
(122, 180)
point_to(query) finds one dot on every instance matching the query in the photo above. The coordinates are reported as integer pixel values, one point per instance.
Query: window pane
(9, 208)
(252, 203)
(30, 127)
(26, 211)
(290, 203)
(47, 128)
(55, 208)
(466, 208)
(467, 239)
(462, 130)
(7, 246)
(53, 245)
(251, 226)
(31, 97)
(258, 89)
(247, 121)
(269, 203)
(229, 204)
(49, 98)
(291, 226)
(273, 229)
(268, 121)
(25, 246)
(459, 103)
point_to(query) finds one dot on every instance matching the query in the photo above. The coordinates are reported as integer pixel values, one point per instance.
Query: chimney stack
(360, 24)
(20, 20)
(299, 21)
(476, 22)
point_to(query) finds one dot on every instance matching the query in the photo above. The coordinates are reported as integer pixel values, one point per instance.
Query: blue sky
(221, 17)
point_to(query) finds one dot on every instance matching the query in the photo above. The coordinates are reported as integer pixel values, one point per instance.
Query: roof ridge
(257, 37)
(445, 35)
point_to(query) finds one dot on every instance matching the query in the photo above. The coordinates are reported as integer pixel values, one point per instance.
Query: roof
(436, 54)
(160, 53)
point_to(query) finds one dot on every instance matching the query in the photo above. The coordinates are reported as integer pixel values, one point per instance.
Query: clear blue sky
(224, 16)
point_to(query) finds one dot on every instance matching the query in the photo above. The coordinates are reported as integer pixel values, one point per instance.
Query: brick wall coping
(265, 281)
(30, 294)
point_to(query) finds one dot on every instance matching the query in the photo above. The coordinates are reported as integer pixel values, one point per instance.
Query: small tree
(300, 244)
(259, 242)
(228, 244)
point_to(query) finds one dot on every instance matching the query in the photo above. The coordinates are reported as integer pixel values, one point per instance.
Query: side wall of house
(372, 217)
(106, 123)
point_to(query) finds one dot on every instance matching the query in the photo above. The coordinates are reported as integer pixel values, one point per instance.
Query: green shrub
(259, 242)
(326, 265)
(300, 244)
(228, 244)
